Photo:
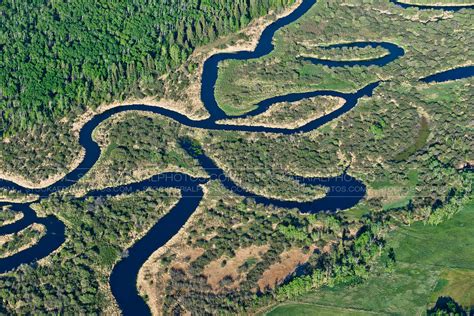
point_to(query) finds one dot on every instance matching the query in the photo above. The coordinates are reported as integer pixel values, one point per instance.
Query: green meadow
(431, 261)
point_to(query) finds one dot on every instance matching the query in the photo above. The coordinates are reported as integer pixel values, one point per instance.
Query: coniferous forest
(60, 57)
(198, 212)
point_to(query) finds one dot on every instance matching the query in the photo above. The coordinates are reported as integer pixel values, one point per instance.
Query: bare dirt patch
(277, 272)
(228, 268)
(190, 105)
(152, 277)
(386, 195)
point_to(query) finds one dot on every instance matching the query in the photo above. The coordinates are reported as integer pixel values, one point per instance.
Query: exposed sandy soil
(387, 195)
(415, 16)
(151, 276)
(152, 279)
(190, 106)
(346, 59)
(216, 271)
(112, 308)
(277, 272)
(197, 110)
(79, 123)
(245, 40)
(5, 238)
(98, 176)
(20, 199)
(45, 182)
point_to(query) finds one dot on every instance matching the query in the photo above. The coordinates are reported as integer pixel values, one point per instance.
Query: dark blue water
(343, 191)
(124, 275)
(452, 74)
(394, 52)
(431, 7)
(53, 238)
(264, 47)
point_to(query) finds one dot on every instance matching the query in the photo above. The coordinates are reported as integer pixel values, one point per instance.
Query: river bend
(124, 274)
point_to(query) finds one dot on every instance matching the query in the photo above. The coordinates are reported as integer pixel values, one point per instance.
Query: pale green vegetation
(303, 309)
(420, 178)
(408, 143)
(58, 58)
(242, 84)
(15, 196)
(8, 216)
(420, 141)
(342, 54)
(226, 223)
(430, 261)
(138, 145)
(439, 2)
(292, 114)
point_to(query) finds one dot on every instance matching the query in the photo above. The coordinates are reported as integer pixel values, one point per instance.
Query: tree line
(59, 57)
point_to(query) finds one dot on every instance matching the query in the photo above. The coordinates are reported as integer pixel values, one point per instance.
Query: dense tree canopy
(59, 56)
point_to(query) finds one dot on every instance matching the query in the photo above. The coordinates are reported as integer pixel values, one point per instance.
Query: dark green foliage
(348, 264)
(140, 141)
(347, 53)
(39, 153)
(261, 165)
(397, 126)
(244, 83)
(193, 146)
(66, 287)
(98, 230)
(6, 215)
(59, 57)
(446, 306)
(236, 223)
(20, 239)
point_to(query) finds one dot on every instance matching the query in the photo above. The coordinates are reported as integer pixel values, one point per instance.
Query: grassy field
(432, 261)
(320, 310)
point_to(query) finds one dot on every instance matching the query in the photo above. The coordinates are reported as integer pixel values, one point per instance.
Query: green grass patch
(420, 141)
(427, 245)
(381, 184)
(233, 111)
(397, 204)
(413, 177)
(458, 284)
(357, 212)
(431, 261)
(311, 309)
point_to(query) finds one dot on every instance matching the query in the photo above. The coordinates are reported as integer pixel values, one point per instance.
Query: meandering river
(344, 191)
